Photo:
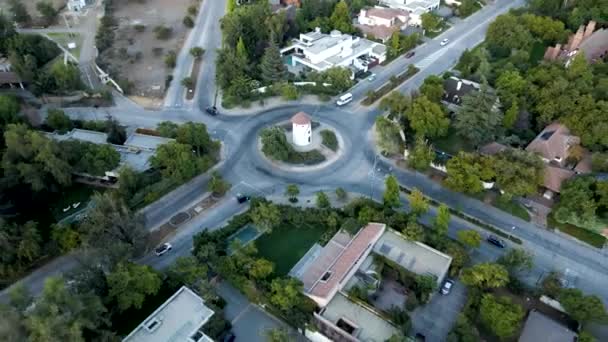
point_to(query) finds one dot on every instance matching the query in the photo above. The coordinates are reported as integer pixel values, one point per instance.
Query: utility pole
(371, 178)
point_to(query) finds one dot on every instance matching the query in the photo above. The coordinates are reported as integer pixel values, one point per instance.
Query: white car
(445, 42)
(371, 77)
(162, 249)
(447, 287)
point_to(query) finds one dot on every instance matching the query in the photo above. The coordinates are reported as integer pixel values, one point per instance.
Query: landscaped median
(375, 95)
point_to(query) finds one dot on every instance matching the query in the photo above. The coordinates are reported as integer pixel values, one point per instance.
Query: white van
(344, 99)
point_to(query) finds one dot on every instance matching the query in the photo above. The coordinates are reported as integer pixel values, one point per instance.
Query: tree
(285, 292)
(60, 314)
(196, 135)
(48, 12)
(485, 276)
(389, 138)
(430, 21)
(33, 159)
(584, 309)
(322, 200)
(265, 216)
(292, 191)
(187, 271)
(89, 158)
(413, 231)
(188, 82)
(391, 194)
(395, 103)
(422, 155)
(511, 116)
(518, 172)
(395, 42)
(516, 259)
(19, 12)
(188, 22)
(197, 52)
(272, 68)
(218, 185)
(167, 129)
(427, 118)
(117, 134)
(129, 284)
(470, 238)
(510, 86)
(274, 143)
(441, 221)
(418, 203)
(21, 245)
(277, 335)
(585, 336)
(20, 297)
(58, 121)
(341, 194)
(501, 316)
(424, 286)
(171, 59)
(261, 269)
(578, 206)
(111, 226)
(432, 88)
(467, 171)
(178, 162)
(506, 33)
(479, 119)
(340, 18)
(65, 76)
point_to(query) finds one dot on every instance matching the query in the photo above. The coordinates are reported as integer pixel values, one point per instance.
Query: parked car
(242, 198)
(410, 54)
(445, 42)
(371, 77)
(447, 287)
(344, 99)
(496, 241)
(162, 249)
(212, 110)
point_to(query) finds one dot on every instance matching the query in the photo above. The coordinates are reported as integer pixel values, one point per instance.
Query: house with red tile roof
(382, 22)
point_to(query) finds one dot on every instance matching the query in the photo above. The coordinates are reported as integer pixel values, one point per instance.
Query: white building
(381, 22)
(180, 318)
(415, 7)
(301, 129)
(320, 51)
(76, 5)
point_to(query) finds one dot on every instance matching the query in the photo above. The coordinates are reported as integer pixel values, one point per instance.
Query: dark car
(212, 110)
(410, 54)
(242, 198)
(229, 337)
(495, 241)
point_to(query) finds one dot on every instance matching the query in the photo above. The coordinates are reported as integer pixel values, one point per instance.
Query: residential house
(594, 44)
(415, 8)
(180, 318)
(135, 152)
(77, 5)
(8, 78)
(554, 146)
(345, 262)
(454, 89)
(540, 328)
(381, 22)
(319, 51)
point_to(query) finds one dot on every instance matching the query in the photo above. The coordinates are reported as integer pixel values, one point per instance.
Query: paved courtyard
(435, 319)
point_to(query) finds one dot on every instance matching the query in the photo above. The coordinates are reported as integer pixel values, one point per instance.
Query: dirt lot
(139, 56)
(31, 6)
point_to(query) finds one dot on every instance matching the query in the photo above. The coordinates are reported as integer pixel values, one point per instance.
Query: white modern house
(180, 318)
(76, 5)
(320, 51)
(381, 22)
(415, 7)
(301, 129)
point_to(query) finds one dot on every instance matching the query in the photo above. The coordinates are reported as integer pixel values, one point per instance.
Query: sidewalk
(269, 103)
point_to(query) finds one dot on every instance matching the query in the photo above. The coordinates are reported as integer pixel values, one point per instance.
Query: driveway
(249, 322)
(435, 319)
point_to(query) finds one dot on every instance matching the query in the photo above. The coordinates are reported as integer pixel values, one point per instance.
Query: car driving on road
(162, 249)
(496, 241)
(242, 198)
(410, 54)
(445, 42)
(212, 110)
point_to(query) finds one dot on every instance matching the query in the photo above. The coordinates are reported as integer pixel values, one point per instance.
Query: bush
(329, 139)
(411, 303)
(188, 22)
(139, 28)
(193, 10)
(395, 81)
(171, 59)
(163, 32)
(58, 121)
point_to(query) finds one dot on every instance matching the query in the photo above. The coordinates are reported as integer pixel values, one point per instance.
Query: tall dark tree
(479, 120)
(272, 68)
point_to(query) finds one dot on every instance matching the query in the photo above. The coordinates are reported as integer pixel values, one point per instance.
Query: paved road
(206, 34)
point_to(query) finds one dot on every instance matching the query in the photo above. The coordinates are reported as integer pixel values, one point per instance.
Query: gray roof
(540, 328)
(412, 255)
(454, 89)
(82, 135)
(370, 326)
(146, 142)
(177, 319)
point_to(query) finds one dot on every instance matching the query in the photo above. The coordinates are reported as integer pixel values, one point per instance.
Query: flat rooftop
(368, 325)
(540, 328)
(413, 256)
(144, 141)
(179, 319)
(82, 135)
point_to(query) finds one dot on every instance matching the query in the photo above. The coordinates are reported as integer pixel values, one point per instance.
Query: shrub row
(374, 96)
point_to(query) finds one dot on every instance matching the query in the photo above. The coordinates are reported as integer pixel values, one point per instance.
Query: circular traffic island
(300, 144)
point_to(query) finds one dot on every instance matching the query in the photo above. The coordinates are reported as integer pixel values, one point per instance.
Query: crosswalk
(430, 59)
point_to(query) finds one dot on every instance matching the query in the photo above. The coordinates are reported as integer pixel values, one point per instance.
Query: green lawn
(452, 143)
(64, 38)
(444, 27)
(287, 244)
(582, 234)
